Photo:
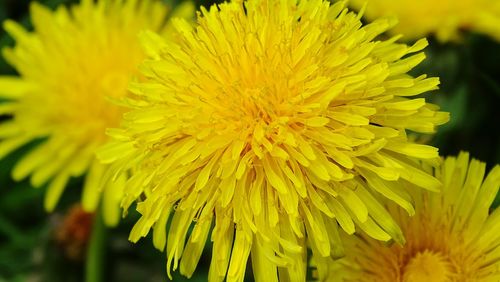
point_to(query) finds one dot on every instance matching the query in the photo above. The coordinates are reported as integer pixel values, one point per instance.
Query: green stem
(96, 251)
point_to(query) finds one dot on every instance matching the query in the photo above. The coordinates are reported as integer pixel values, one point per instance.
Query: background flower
(452, 237)
(75, 62)
(445, 19)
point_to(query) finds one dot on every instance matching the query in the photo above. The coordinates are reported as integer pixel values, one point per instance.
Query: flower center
(427, 266)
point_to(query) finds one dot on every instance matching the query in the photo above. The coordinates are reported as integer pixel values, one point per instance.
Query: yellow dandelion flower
(452, 237)
(272, 120)
(445, 18)
(71, 66)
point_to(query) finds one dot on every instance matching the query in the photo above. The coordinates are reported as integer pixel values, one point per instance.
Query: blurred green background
(31, 247)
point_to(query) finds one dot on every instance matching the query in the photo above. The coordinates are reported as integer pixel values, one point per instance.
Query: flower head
(273, 120)
(445, 18)
(71, 66)
(452, 237)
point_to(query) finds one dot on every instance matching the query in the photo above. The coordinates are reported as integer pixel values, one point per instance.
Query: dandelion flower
(445, 18)
(71, 66)
(276, 121)
(452, 237)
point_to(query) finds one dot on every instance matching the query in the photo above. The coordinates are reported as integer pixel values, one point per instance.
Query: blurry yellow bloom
(443, 18)
(272, 119)
(452, 237)
(74, 62)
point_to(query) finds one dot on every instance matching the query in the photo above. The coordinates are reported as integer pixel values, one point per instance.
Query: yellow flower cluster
(276, 126)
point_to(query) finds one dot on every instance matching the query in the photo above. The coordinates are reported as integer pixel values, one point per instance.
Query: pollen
(426, 266)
